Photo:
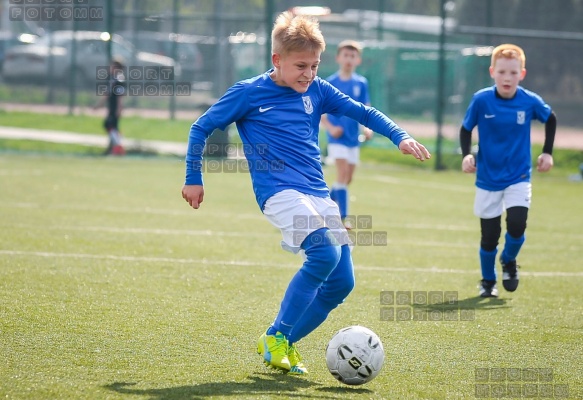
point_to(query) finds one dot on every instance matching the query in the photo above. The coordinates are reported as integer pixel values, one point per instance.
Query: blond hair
(296, 33)
(351, 45)
(509, 51)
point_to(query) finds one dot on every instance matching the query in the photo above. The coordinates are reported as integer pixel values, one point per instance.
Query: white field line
(119, 210)
(153, 231)
(252, 216)
(195, 262)
(208, 232)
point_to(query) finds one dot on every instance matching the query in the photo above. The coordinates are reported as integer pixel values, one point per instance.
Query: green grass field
(112, 287)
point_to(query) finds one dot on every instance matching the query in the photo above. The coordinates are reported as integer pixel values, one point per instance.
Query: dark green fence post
(269, 11)
(174, 43)
(73, 84)
(440, 91)
(109, 26)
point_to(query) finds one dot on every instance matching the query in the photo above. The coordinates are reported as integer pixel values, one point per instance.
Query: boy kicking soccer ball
(277, 115)
(503, 114)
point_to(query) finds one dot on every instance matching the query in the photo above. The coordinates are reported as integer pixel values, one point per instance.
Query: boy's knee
(336, 295)
(322, 252)
(322, 243)
(516, 221)
(346, 287)
(339, 290)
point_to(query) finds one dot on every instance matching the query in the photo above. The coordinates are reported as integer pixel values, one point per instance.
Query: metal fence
(214, 43)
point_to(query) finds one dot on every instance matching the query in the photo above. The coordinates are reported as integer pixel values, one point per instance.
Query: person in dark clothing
(114, 102)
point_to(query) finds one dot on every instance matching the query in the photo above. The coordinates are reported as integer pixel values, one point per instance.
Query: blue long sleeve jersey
(279, 129)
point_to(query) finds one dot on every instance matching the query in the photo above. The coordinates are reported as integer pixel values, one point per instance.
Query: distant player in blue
(503, 114)
(343, 132)
(277, 115)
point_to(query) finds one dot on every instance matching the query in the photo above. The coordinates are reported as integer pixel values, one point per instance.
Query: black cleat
(488, 288)
(509, 275)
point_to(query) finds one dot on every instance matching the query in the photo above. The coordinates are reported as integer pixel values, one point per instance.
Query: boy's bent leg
(517, 199)
(332, 293)
(322, 255)
(515, 226)
(514, 239)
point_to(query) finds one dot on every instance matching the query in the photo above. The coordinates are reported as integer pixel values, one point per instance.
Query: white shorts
(297, 215)
(350, 154)
(489, 204)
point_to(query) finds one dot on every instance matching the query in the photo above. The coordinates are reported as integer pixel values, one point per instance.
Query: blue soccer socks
(322, 253)
(330, 295)
(512, 247)
(488, 264)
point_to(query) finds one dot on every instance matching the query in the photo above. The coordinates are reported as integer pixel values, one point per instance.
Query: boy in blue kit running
(503, 114)
(277, 115)
(343, 132)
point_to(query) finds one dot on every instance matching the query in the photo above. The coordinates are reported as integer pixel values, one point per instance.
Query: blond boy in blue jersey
(277, 115)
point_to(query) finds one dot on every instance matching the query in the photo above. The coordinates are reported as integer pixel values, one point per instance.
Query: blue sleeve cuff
(193, 172)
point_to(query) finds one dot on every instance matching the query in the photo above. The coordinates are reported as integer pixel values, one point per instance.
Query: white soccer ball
(355, 355)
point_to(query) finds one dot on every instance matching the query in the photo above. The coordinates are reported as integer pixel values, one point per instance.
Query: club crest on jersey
(356, 91)
(520, 117)
(308, 104)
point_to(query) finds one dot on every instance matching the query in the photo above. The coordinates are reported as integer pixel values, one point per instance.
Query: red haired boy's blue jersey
(504, 156)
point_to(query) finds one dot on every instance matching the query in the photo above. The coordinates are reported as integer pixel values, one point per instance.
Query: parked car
(49, 57)
(184, 49)
(9, 39)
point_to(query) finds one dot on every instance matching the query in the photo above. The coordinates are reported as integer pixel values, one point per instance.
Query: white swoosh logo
(261, 109)
(489, 116)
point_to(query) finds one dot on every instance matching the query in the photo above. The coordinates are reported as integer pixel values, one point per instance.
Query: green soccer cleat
(274, 349)
(295, 360)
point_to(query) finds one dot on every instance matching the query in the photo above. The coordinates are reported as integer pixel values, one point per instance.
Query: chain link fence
(210, 44)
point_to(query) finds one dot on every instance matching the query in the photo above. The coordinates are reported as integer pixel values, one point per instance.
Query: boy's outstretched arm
(376, 121)
(545, 161)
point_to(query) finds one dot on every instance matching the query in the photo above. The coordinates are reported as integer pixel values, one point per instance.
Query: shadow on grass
(469, 304)
(343, 391)
(483, 303)
(459, 310)
(276, 384)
